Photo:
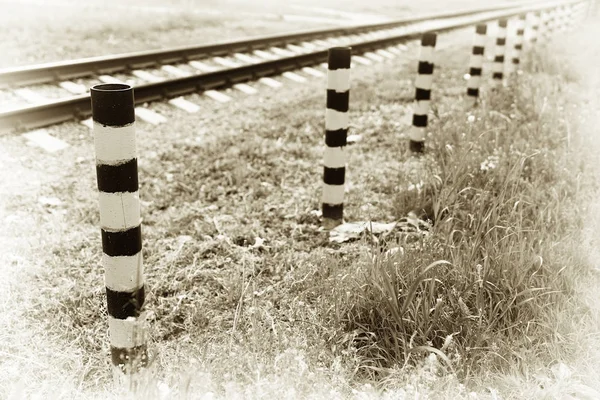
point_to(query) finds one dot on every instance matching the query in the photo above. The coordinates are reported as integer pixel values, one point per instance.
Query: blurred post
(336, 132)
(117, 175)
(476, 64)
(518, 42)
(498, 70)
(423, 85)
(534, 28)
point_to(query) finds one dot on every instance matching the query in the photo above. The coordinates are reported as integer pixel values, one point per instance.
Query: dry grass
(298, 317)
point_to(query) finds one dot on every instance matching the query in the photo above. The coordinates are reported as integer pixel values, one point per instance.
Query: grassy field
(39, 31)
(493, 298)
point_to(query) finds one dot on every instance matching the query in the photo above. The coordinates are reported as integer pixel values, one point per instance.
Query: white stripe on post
(117, 176)
(423, 85)
(476, 63)
(336, 132)
(126, 333)
(120, 211)
(124, 273)
(114, 145)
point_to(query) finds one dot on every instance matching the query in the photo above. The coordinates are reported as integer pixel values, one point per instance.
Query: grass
(247, 298)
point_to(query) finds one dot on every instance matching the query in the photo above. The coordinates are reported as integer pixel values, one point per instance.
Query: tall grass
(478, 289)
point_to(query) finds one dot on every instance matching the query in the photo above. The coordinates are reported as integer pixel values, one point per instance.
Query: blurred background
(38, 31)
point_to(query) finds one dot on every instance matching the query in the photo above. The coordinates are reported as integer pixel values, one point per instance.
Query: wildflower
(490, 163)
(418, 187)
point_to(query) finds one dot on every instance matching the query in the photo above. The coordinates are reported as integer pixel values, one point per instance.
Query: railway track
(170, 74)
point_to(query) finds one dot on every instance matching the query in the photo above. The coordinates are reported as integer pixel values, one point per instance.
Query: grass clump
(480, 289)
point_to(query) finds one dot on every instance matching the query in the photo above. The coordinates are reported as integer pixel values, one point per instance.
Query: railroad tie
(336, 132)
(498, 71)
(116, 169)
(518, 43)
(476, 63)
(423, 85)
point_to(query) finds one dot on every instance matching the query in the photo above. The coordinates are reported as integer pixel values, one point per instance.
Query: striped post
(553, 22)
(535, 26)
(518, 43)
(561, 23)
(116, 169)
(423, 85)
(570, 20)
(498, 70)
(476, 63)
(543, 26)
(336, 132)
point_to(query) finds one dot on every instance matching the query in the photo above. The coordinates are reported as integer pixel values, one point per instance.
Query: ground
(248, 298)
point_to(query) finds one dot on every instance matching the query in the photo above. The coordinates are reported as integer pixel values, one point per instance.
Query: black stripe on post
(501, 42)
(481, 29)
(334, 176)
(336, 138)
(475, 71)
(122, 305)
(419, 121)
(499, 59)
(422, 94)
(425, 68)
(333, 211)
(478, 50)
(122, 243)
(118, 178)
(338, 101)
(338, 58)
(416, 146)
(472, 92)
(112, 104)
(429, 39)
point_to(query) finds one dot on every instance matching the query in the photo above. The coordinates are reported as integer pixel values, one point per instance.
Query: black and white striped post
(498, 70)
(543, 26)
(117, 175)
(535, 27)
(552, 23)
(476, 64)
(336, 132)
(518, 42)
(423, 85)
(561, 20)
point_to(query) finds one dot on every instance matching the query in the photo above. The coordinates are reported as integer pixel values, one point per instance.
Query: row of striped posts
(559, 19)
(117, 176)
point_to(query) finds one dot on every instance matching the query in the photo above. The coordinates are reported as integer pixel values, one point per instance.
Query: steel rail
(50, 113)
(51, 72)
